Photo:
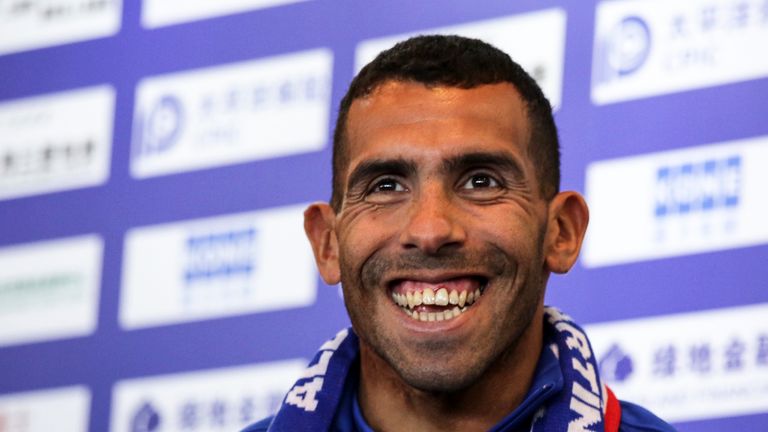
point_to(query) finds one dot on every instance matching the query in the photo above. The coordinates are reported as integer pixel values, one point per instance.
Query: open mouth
(441, 301)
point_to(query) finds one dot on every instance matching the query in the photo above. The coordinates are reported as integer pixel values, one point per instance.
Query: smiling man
(445, 223)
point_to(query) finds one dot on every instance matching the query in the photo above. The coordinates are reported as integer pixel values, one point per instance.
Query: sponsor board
(229, 265)
(56, 142)
(65, 409)
(679, 202)
(690, 366)
(213, 400)
(30, 24)
(650, 47)
(230, 114)
(158, 13)
(49, 290)
(542, 60)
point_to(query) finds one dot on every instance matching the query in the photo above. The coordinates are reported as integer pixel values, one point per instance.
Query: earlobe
(568, 219)
(319, 221)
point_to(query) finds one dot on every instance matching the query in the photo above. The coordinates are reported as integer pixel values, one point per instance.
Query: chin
(432, 381)
(434, 374)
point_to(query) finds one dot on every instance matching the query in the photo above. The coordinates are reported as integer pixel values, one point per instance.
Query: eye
(480, 180)
(387, 185)
(385, 190)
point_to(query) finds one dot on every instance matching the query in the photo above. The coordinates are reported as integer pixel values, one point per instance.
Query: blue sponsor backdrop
(589, 132)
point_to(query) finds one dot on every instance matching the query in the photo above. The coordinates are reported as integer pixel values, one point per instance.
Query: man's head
(453, 61)
(446, 221)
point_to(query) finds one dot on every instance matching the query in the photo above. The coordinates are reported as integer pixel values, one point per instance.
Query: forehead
(405, 119)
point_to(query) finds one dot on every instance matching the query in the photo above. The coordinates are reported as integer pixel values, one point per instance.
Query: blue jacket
(548, 381)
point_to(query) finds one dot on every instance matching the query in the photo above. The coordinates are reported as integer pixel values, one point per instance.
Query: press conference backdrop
(156, 156)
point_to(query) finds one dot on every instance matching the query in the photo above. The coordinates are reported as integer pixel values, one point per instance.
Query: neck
(389, 404)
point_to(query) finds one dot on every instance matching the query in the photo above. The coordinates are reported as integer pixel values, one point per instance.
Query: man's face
(441, 205)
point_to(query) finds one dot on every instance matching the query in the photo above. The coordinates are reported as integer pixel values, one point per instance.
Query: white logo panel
(49, 290)
(56, 142)
(233, 113)
(223, 266)
(158, 13)
(64, 409)
(543, 60)
(679, 202)
(214, 400)
(30, 24)
(650, 47)
(688, 366)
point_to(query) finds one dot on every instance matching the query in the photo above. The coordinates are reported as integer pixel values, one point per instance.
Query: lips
(437, 301)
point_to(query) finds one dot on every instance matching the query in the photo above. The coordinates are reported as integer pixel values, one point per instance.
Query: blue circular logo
(629, 45)
(145, 419)
(616, 366)
(163, 125)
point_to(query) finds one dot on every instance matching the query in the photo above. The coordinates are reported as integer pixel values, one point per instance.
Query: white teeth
(462, 298)
(441, 297)
(428, 296)
(453, 298)
(436, 316)
(417, 298)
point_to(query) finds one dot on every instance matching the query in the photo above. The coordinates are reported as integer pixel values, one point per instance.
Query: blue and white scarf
(584, 404)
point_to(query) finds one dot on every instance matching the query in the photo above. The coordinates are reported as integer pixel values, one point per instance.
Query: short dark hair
(454, 61)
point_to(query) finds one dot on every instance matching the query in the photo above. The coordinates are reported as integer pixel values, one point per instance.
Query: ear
(319, 225)
(568, 219)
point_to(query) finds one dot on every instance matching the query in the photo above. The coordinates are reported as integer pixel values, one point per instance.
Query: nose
(433, 222)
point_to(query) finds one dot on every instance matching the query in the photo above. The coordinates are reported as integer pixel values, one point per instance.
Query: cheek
(364, 232)
(355, 250)
(523, 242)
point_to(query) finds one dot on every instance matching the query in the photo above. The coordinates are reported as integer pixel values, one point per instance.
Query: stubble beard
(407, 358)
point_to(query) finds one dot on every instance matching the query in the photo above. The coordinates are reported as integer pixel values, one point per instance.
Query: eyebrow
(501, 160)
(376, 167)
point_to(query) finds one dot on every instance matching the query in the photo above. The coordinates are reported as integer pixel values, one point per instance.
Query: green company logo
(27, 292)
